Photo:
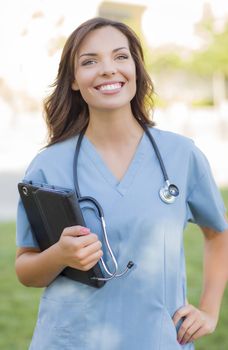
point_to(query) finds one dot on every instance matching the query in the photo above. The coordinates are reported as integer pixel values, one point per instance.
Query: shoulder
(171, 140)
(56, 155)
(57, 149)
(181, 149)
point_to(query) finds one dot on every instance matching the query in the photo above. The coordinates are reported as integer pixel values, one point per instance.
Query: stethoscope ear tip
(130, 264)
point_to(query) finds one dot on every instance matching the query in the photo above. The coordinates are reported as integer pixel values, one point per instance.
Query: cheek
(85, 87)
(86, 95)
(132, 76)
(85, 79)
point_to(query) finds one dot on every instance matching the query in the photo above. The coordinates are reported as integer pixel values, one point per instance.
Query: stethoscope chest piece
(169, 192)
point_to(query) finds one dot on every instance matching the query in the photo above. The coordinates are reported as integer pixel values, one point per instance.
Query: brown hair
(66, 112)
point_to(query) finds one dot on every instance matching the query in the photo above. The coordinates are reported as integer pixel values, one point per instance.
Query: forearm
(214, 272)
(77, 248)
(38, 269)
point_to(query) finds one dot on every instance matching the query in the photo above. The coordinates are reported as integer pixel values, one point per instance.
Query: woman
(103, 89)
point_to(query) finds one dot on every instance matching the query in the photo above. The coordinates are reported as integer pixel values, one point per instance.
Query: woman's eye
(88, 62)
(122, 57)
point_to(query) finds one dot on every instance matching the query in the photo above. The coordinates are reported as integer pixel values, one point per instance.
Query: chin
(113, 106)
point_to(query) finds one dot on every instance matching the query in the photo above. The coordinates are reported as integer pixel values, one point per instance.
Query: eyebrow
(95, 54)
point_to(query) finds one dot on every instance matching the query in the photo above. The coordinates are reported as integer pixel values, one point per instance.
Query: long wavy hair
(66, 113)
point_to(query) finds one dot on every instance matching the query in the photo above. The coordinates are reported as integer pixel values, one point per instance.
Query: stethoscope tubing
(167, 194)
(158, 154)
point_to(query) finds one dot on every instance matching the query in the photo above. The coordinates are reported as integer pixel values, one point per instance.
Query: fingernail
(85, 230)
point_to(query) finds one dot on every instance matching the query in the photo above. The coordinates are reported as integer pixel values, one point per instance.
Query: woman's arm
(215, 271)
(77, 248)
(203, 320)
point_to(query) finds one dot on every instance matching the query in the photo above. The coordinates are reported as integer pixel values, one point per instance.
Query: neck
(113, 127)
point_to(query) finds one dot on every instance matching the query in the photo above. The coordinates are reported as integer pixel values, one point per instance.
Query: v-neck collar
(119, 185)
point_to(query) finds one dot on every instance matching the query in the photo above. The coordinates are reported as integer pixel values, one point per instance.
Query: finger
(88, 250)
(90, 265)
(76, 231)
(95, 257)
(183, 330)
(84, 241)
(190, 331)
(181, 313)
(198, 334)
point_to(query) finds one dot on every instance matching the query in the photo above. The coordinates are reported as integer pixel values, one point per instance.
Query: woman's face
(105, 71)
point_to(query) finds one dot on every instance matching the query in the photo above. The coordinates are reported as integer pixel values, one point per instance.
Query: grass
(19, 305)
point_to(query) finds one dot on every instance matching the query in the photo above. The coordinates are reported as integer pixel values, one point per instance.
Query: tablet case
(49, 210)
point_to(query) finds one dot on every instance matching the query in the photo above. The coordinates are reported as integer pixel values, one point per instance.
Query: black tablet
(50, 209)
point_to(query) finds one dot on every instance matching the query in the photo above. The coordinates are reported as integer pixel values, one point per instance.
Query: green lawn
(18, 304)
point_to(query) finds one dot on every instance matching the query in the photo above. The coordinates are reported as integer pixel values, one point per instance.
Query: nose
(108, 68)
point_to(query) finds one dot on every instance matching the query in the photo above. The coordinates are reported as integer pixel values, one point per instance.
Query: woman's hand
(79, 248)
(196, 323)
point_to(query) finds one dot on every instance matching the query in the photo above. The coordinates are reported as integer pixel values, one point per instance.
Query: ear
(74, 85)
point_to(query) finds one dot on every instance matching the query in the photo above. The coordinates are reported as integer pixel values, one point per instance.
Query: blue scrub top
(134, 311)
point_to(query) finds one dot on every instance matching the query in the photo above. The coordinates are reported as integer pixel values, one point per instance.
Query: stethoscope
(167, 193)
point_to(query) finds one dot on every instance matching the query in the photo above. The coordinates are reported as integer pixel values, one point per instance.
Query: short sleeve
(204, 201)
(24, 235)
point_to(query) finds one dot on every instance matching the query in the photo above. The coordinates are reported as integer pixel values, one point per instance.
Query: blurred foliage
(209, 63)
(165, 59)
(212, 57)
(159, 102)
(202, 103)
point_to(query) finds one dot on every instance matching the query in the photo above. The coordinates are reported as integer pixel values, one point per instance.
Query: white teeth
(110, 87)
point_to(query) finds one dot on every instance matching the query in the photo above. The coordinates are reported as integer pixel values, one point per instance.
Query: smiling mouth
(109, 87)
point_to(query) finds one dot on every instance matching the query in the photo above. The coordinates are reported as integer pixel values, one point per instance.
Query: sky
(24, 61)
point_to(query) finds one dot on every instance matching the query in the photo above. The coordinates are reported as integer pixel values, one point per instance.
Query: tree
(212, 59)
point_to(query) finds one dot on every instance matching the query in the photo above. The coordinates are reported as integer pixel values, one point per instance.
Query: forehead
(107, 38)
